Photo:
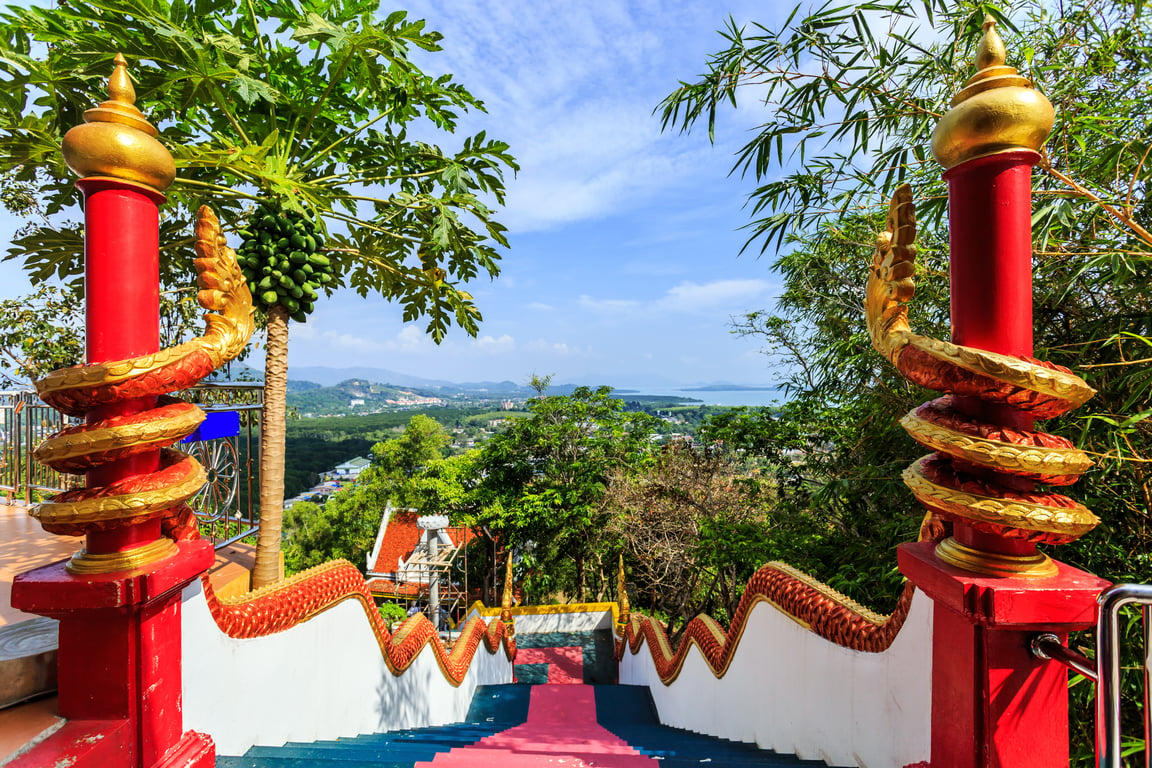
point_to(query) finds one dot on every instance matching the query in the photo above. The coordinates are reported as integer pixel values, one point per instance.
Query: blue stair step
(298, 762)
(494, 708)
(629, 712)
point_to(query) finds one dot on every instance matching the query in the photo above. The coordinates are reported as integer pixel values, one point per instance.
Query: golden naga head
(223, 292)
(998, 110)
(890, 279)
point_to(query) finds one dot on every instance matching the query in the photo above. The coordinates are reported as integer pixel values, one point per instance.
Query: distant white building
(351, 469)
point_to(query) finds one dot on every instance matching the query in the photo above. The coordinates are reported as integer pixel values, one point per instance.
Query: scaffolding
(425, 579)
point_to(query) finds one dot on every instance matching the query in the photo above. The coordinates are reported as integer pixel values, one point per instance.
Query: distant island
(728, 388)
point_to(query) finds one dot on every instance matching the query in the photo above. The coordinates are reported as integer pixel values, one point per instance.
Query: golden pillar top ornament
(998, 110)
(117, 141)
(622, 597)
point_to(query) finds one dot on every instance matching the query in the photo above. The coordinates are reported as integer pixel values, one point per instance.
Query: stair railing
(1105, 671)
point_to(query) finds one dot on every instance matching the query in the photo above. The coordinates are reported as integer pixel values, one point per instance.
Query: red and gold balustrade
(281, 606)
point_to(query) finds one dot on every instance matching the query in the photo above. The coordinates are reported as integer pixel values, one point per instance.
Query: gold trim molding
(85, 562)
(1034, 566)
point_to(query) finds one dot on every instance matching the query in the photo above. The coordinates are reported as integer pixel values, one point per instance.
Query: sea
(728, 397)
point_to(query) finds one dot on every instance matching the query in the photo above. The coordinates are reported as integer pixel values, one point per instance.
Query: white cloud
(411, 336)
(553, 347)
(572, 89)
(608, 306)
(688, 298)
(708, 297)
(495, 344)
(539, 306)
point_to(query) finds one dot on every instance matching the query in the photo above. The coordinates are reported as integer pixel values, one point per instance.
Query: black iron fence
(24, 422)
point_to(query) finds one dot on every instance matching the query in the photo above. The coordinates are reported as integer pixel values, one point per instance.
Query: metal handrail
(1108, 747)
(1048, 647)
(1105, 672)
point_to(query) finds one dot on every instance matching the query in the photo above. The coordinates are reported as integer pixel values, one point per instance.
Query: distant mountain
(295, 385)
(330, 377)
(358, 396)
(305, 378)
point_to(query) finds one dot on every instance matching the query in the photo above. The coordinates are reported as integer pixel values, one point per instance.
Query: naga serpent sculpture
(981, 474)
(78, 389)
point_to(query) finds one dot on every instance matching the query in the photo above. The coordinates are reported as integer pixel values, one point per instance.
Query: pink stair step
(561, 730)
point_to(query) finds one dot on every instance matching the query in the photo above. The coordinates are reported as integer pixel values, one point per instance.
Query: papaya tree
(304, 122)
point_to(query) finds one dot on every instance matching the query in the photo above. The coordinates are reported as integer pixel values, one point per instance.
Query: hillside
(355, 396)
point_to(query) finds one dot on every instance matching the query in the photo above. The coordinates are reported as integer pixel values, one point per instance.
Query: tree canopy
(317, 105)
(545, 478)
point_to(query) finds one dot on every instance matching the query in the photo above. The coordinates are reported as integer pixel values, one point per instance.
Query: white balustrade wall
(322, 679)
(790, 690)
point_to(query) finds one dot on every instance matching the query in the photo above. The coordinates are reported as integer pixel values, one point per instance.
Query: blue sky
(624, 265)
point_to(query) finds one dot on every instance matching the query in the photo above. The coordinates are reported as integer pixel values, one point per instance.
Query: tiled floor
(25, 545)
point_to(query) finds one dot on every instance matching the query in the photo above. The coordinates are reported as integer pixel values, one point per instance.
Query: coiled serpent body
(79, 389)
(981, 474)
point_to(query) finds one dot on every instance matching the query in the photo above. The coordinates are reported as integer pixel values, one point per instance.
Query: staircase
(608, 726)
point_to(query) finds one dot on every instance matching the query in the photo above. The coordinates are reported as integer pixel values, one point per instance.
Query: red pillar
(120, 679)
(990, 266)
(993, 704)
(122, 317)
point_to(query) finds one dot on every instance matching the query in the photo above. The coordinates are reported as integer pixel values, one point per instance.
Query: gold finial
(997, 110)
(121, 104)
(991, 52)
(117, 140)
(120, 85)
(506, 603)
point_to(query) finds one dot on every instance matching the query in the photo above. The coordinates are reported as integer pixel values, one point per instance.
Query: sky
(625, 265)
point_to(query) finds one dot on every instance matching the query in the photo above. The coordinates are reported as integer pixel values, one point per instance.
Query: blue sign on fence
(216, 424)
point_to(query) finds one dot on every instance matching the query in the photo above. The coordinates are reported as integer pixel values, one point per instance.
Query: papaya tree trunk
(267, 569)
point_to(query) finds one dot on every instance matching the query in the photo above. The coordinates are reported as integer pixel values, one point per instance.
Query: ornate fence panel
(228, 505)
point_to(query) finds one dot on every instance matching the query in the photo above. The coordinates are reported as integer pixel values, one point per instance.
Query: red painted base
(993, 704)
(119, 658)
